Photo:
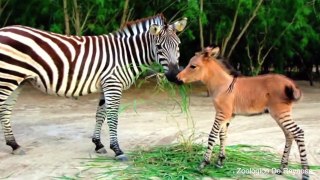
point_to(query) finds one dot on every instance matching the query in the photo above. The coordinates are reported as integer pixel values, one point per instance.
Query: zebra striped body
(67, 66)
(73, 66)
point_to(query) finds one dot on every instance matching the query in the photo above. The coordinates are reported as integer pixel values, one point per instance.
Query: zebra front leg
(112, 101)
(5, 114)
(100, 118)
(112, 120)
(223, 136)
(211, 142)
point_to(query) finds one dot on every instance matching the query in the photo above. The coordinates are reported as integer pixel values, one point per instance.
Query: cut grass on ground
(181, 161)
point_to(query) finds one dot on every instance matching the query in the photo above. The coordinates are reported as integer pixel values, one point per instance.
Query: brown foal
(271, 93)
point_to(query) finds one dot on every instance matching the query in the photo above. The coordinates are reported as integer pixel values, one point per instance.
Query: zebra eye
(192, 66)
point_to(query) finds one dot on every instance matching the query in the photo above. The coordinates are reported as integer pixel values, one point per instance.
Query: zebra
(73, 66)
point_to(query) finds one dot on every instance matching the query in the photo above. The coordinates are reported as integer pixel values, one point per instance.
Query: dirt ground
(56, 132)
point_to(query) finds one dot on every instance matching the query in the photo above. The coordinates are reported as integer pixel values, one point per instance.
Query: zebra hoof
(18, 151)
(122, 158)
(101, 151)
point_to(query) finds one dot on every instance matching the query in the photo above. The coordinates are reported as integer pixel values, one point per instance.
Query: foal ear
(215, 52)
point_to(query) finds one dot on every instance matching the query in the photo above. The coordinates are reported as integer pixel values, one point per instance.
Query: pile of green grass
(180, 161)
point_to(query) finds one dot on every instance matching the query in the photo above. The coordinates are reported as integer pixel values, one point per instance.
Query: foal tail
(292, 92)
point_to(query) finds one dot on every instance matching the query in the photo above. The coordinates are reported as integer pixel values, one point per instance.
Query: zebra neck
(132, 51)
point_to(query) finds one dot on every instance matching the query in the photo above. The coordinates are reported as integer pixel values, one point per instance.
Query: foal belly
(251, 113)
(250, 107)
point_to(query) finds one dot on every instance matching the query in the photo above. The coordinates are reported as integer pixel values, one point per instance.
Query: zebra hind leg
(6, 107)
(100, 118)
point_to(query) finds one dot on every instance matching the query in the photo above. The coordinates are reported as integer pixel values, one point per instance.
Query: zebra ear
(155, 29)
(180, 25)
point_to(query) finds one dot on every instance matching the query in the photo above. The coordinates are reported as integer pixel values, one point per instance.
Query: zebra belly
(38, 84)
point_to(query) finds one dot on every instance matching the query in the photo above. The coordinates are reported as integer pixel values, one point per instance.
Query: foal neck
(216, 77)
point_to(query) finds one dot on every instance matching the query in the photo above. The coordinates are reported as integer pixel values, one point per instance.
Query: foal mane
(222, 62)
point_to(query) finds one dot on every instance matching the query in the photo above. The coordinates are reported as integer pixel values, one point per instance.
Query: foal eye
(192, 66)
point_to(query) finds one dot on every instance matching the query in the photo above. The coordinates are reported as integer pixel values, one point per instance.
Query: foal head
(202, 65)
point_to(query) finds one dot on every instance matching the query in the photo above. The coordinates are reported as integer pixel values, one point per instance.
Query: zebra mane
(145, 23)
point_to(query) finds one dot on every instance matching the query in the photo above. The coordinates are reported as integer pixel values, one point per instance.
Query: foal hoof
(219, 166)
(101, 151)
(201, 166)
(122, 157)
(279, 172)
(305, 176)
(18, 151)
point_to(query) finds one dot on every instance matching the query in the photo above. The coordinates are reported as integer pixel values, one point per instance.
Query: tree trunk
(211, 35)
(125, 13)
(77, 25)
(254, 14)
(200, 25)
(317, 67)
(310, 75)
(3, 6)
(228, 37)
(66, 17)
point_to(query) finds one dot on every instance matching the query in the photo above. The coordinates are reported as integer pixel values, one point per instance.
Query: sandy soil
(56, 132)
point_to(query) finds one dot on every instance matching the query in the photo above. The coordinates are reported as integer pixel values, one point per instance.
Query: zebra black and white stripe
(73, 66)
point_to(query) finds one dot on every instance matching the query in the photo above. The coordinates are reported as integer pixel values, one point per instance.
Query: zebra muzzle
(171, 75)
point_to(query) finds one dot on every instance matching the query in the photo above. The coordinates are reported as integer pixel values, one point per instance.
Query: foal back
(272, 92)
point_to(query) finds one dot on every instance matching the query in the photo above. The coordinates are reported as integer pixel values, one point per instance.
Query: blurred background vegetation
(257, 36)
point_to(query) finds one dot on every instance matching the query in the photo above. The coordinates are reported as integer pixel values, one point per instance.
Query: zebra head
(167, 47)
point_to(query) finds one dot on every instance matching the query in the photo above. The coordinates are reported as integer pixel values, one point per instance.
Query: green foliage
(179, 161)
(289, 28)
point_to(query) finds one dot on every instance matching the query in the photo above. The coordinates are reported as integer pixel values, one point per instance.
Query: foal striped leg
(8, 100)
(223, 138)
(218, 123)
(293, 131)
(287, 147)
